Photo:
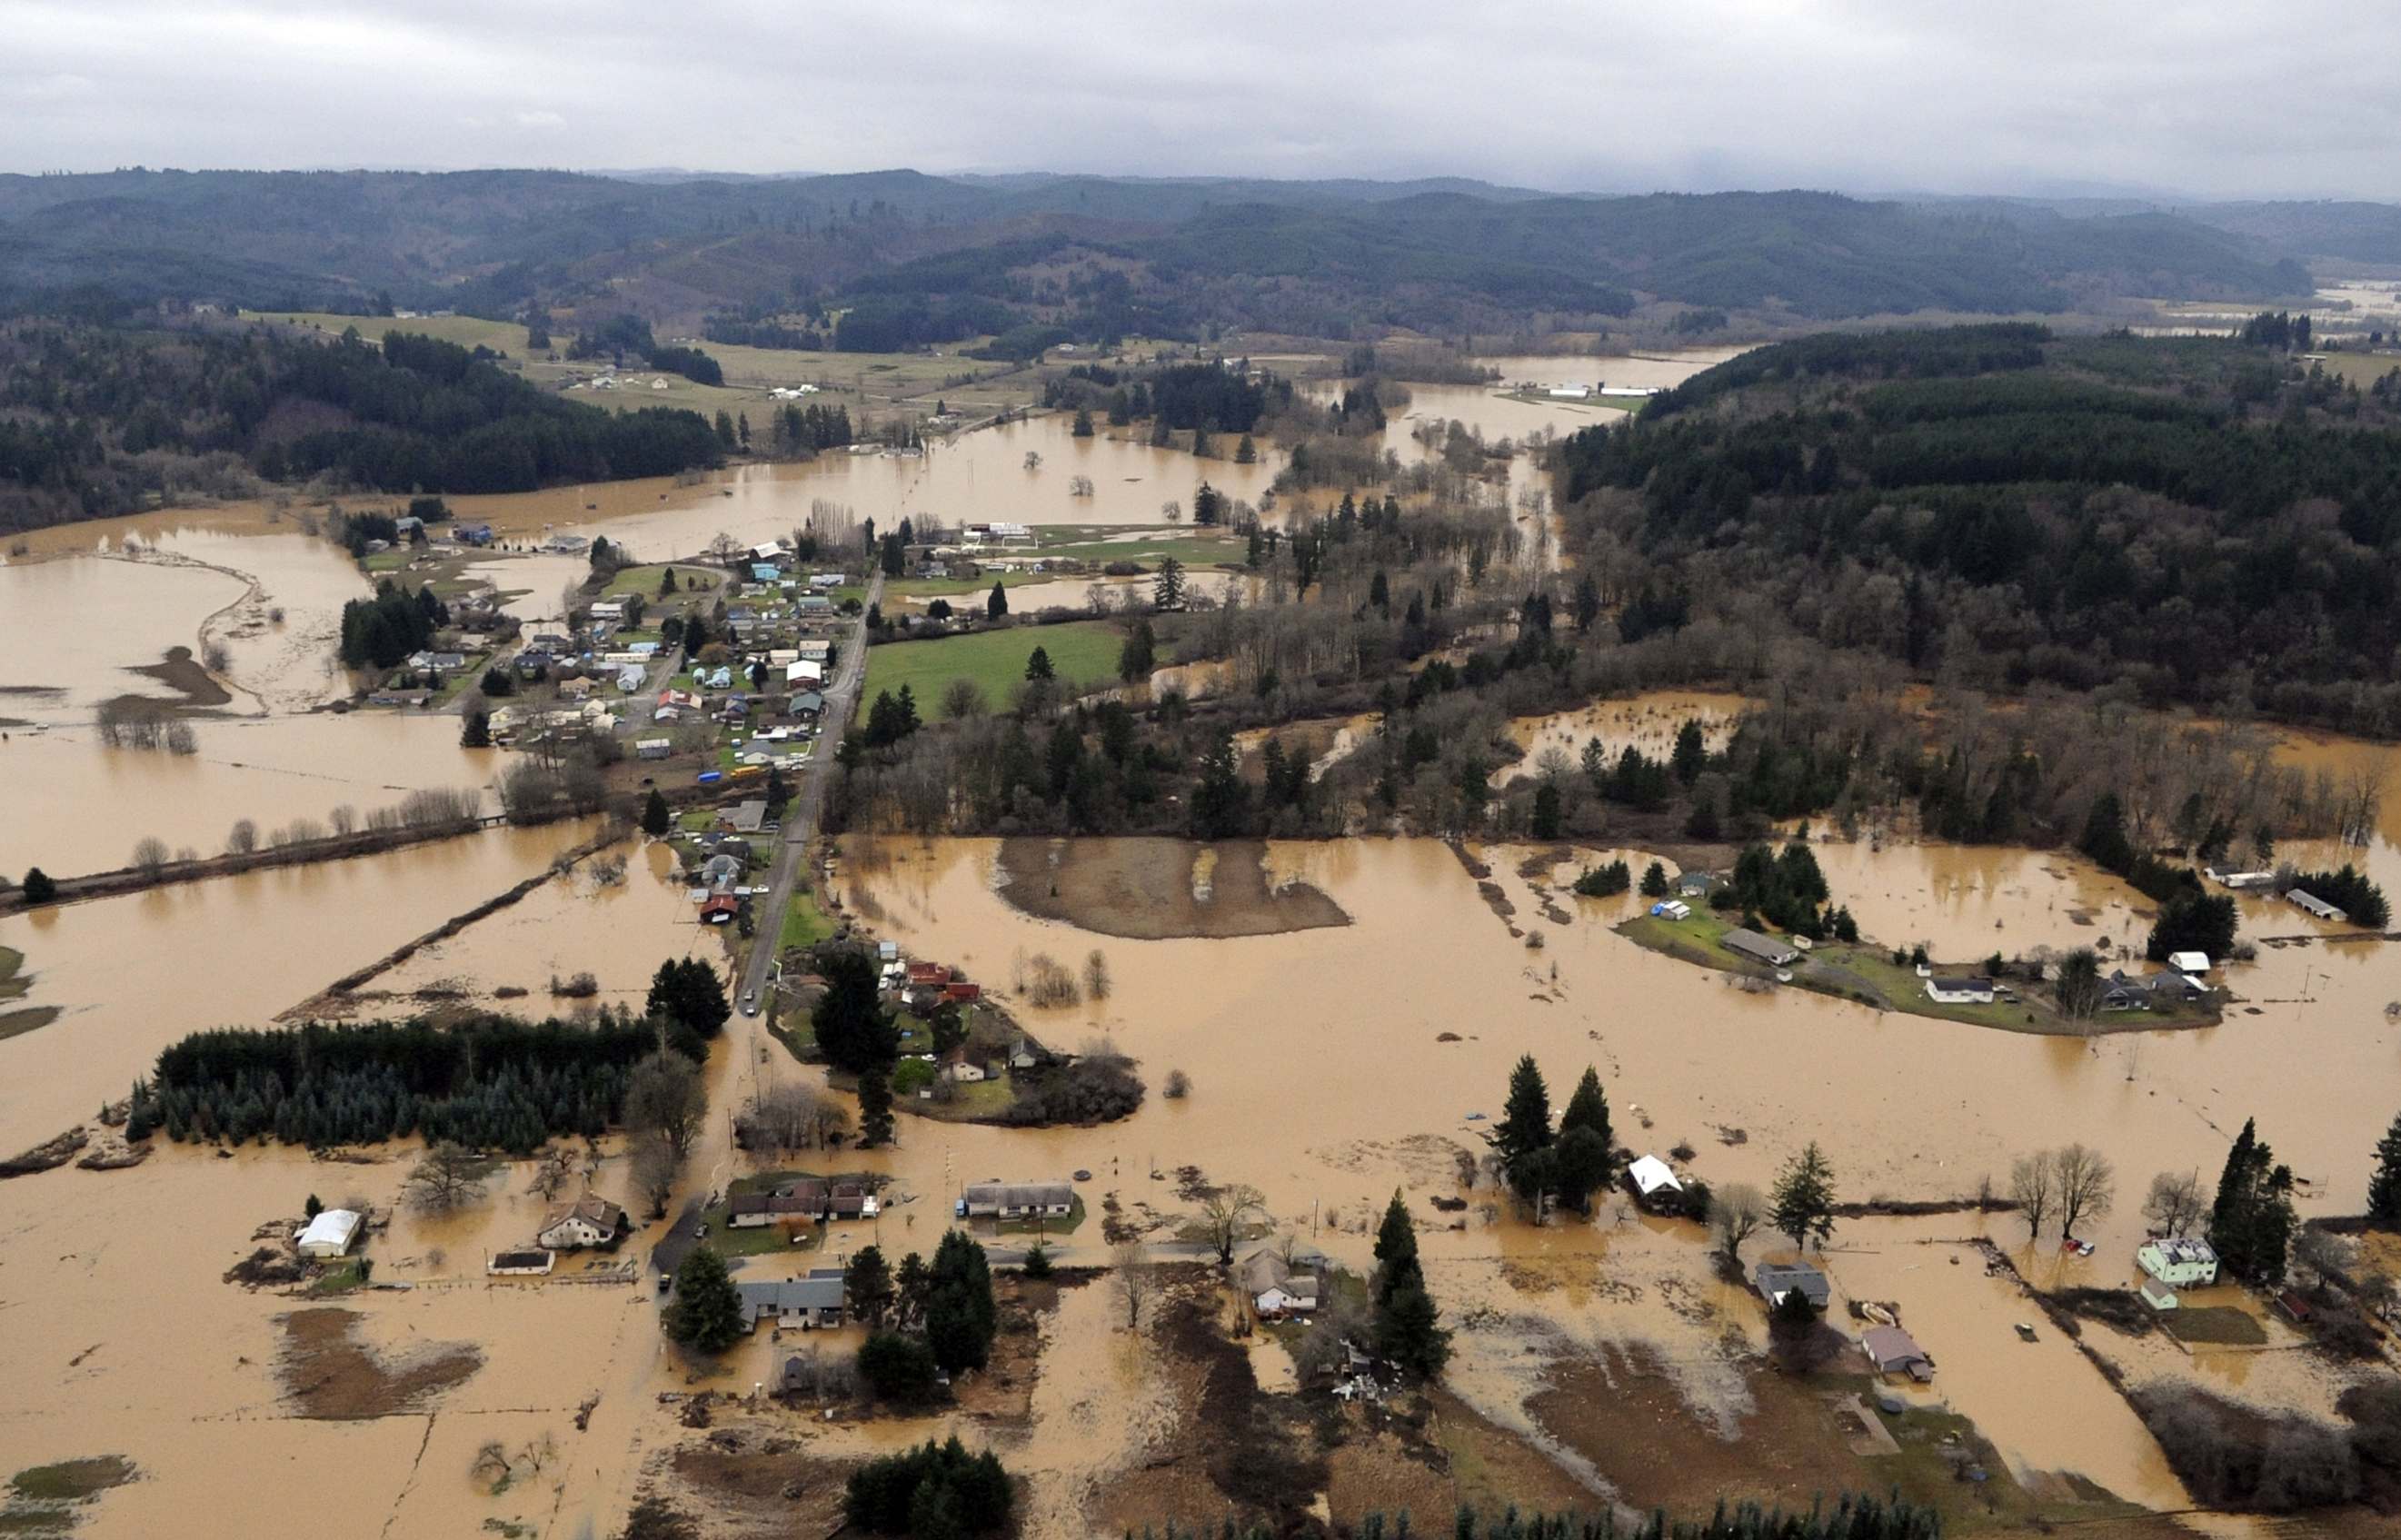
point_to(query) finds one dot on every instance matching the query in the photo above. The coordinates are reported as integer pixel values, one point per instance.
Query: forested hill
(1175, 256)
(2201, 520)
(95, 419)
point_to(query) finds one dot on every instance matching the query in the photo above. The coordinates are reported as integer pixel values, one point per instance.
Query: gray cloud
(2239, 100)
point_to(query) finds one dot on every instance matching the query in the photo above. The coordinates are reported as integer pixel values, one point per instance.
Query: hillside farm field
(995, 659)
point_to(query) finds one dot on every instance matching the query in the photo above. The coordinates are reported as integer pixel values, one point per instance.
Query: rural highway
(808, 800)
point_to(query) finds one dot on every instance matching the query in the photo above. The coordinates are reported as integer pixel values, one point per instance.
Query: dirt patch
(182, 672)
(328, 1372)
(752, 1482)
(47, 1155)
(51, 1499)
(1626, 1414)
(1157, 889)
(1237, 1450)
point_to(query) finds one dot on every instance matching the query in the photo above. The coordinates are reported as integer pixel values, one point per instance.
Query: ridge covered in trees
(95, 418)
(2196, 521)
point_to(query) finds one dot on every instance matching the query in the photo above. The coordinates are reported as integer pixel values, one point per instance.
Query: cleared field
(502, 336)
(971, 387)
(2361, 369)
(1082, 650)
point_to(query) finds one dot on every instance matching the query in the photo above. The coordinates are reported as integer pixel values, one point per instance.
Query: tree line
(490, 1082)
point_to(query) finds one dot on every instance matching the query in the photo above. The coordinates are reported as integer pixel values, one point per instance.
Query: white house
(585, 1222)
(1017, 1200)
(805, 673)
(2188, 962)
(330, 1234)
(1276, 1287)
(1959, 991)
(2176, 1262)
(1651, 1175)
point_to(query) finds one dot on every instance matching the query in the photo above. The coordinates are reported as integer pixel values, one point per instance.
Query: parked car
(749, 1002)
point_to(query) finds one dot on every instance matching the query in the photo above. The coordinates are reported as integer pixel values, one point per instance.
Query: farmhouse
(1959, 991)
(1017, 1200)
(1653, 1183)
(1277, 1288)
(330, 1234)
(2177, 1262)
(587, 1222)
(814, 1301)
(1774, 1280)
(1768, 950)
(1893, 1351)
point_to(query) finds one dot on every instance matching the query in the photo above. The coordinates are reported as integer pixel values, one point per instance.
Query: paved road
(808, 801)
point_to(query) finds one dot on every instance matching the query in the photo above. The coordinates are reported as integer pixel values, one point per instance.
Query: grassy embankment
(1866, 974)
(14, 982)
(1080, 651)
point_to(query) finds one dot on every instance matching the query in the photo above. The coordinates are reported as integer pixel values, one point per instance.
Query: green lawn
(764, 1239)
(689, 581)
(805, 923)
(1044, 1227)
(1080, 651)
(1090, 543)
(1696, 939)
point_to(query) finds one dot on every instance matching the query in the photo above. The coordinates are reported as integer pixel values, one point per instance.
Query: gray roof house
(1017, 1200)
(1768, 950)
(1774, 1280)
(813, 1300)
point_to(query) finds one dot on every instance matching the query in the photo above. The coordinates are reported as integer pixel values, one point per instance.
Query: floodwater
(138, 972)
(77, 806)
(972, 477)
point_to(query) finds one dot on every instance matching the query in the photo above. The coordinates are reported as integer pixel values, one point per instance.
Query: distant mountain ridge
(1174, 252)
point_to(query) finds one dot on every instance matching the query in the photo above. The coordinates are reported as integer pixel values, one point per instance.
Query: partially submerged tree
(1736, 1211)
(2034, 1187)
(1224, 1211)
(1802, 1204)
(2173, 1204)
(665, 1096)
(1130, 1275)
(2088, 1184)
(706, 1313)
(449, 1175)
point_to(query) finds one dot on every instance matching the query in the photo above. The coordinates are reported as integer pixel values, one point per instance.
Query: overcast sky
(2235, 99)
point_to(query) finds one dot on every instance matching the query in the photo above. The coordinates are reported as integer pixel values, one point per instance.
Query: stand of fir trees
(1848, 1517)
(936, 1490)
(1568, 1164)
(1407, 1328)
(489, 1083)
(2251, 1223)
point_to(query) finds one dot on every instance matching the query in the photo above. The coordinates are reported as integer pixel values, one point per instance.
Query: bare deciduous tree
(1132, 1277)
(1736, 1210)
(449, 1177)
(2087, 1185)
(2034, 1187)
(787, 1118)
(149, 854)
(665, 1096)
(1096, 974)
(1222, 1211)
(652, 1164)
(2174, 1205)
